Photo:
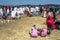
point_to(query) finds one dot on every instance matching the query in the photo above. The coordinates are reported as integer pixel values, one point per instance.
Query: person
(44, 11)
(21, 11)
(1, 11)
(8, 11)
(5, 13)
(43, 32)
(17, 13)
(37, 11)
(34, 31)
(50, 23)
(41, 10)
(50, 13)
(57, 23)
(13, 14)
(32, 11)
(29, 14)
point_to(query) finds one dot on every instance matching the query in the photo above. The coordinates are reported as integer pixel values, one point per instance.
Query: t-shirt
(50, 14)
(50, 21)
(13, 13)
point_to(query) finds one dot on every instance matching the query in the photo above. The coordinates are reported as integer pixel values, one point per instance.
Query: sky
(24, 2)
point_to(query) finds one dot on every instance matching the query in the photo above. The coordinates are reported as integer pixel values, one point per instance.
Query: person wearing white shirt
(44, 11)
(8, 11)
(18, 13)
(21, 10)
(1, 11)
(32, 11)
(37, 10)
(13, 14)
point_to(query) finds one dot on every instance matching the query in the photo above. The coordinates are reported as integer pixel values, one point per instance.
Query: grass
(19, 29)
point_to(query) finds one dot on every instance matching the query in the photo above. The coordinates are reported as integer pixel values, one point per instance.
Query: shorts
(49, 27)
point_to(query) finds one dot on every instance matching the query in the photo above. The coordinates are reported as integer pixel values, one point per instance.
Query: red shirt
(50, 21)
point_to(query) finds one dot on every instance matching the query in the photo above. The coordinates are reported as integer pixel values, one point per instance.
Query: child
(50, 23)
(43, 32)
(34, 32)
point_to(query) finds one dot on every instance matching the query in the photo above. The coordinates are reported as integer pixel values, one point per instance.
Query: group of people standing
(4, 12)
(33, 11)
(12, 12)
(15, 12)
(30, 11)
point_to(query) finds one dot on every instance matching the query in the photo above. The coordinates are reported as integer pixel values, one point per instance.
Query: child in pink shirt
(34, 32)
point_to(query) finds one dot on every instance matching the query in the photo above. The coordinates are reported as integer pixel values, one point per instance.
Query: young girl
(43, 32)
(50, 23)
(34, 32)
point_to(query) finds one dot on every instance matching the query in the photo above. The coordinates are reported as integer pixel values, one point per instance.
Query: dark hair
(34, 25)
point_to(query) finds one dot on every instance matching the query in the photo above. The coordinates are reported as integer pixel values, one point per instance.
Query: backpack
(43, 32)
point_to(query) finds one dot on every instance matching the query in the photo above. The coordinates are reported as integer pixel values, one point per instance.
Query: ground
(19, 29)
